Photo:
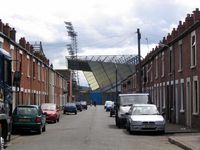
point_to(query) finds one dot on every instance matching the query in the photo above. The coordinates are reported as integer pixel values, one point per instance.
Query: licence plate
(24, 120)
(149, 126)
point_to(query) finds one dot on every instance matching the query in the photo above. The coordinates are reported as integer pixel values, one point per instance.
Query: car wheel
(75, 113)
(40, 130)
(44, 128)
(58, 119)
(63, 112)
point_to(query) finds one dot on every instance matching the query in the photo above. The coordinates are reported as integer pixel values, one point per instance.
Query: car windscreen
(50, 107)
(26, 111)
(134, 99)
(145, 110)
(71, 104)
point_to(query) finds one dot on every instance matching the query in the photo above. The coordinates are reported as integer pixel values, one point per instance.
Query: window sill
(182, 111)
(162, 76)
(28, 76)
(195, 114)
(180, 70)
(192, 67)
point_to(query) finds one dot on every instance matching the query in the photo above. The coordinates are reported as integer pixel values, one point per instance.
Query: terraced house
(171, 73)
(34, 79)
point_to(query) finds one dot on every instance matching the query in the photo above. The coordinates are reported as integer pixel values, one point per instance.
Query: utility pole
(139, 68)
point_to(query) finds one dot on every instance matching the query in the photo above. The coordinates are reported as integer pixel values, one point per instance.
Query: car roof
(137, 105)
(134, 94)
(28, 106)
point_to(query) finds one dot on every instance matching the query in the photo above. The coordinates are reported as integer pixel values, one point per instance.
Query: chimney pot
(13, 34)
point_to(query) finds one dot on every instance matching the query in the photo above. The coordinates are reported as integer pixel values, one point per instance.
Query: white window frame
(39, 71)
(28, 66)
(156, 76)
(12, 56)
(195, 101)
(163, 90)
(193, 52)
(180, 46)
(163, 64)
(182, 92)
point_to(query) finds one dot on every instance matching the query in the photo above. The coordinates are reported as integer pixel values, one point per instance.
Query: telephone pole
(139, 67)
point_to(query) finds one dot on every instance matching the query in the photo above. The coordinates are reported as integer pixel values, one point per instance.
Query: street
(92, 129)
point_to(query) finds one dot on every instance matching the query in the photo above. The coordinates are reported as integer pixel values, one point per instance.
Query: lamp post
(116, 99)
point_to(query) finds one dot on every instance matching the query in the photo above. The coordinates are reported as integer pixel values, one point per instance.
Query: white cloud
(103, 26)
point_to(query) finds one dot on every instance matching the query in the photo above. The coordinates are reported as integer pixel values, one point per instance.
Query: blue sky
(103, 26)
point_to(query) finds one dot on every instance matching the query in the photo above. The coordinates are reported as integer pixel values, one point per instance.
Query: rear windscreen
(26, 111)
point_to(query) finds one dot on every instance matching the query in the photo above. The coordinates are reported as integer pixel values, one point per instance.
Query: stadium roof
(100, 70)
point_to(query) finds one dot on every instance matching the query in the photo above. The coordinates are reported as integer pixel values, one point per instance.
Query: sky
(104, 27)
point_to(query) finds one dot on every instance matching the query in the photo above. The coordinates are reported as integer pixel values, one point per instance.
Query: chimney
(189, 20)
(22, 42)
(1, 26)
(13, 34)
(6, 30)
(28, 46)
(196, 15)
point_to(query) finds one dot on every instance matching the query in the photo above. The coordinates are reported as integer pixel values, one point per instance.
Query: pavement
(186, 138)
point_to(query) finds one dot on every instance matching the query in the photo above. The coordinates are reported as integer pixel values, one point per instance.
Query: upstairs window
(193, 49)
(180, 55)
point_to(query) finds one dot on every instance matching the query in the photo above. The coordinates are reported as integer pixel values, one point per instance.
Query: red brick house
(30, 68)
(171, 73)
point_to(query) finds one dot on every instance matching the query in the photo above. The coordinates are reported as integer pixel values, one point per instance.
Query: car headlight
(160, 122)
(136, 122)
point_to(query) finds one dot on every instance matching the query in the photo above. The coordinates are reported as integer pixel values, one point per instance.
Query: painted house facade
(171, 73)
(34, 80)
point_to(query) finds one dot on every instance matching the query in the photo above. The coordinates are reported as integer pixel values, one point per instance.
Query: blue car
(70, 108)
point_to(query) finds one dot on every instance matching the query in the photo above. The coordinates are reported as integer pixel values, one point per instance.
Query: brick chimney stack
(196, 15)
(6, 30)
(13, 34)
(22, 42)
(28, 46)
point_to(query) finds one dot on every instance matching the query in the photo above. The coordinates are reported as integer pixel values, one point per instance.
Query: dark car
(52, 112)
(79, 106)
(70, 108)
(28, 117)
(84, 104)
(112, 110)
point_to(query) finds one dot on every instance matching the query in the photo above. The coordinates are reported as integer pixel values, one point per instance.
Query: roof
(104, 72)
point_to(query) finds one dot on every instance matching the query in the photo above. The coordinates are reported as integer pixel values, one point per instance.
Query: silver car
(145, 117)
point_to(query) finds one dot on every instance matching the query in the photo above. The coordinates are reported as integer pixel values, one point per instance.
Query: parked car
(28, 117)
(109, 106)
(125, 101)
(70, 108)
(145, 117)
(106, 103)
(113, 110)
(52, 112)
(79, 106)
(84, 104)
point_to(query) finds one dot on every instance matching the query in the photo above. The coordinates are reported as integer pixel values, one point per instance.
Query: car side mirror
(44, 113)
(163, 113)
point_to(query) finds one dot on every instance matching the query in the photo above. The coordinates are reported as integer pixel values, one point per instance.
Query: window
(180, 55)
(1, 42)
(33, 68)
(182, 95)
(195, 95)
(12, 55)
(163, 88)
(39, 71)
(193, 49)
(170, 60)
(28, 66)
(156, 67)
(163, 64)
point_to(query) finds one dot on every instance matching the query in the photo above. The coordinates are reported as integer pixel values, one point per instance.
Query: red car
(52, 112)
